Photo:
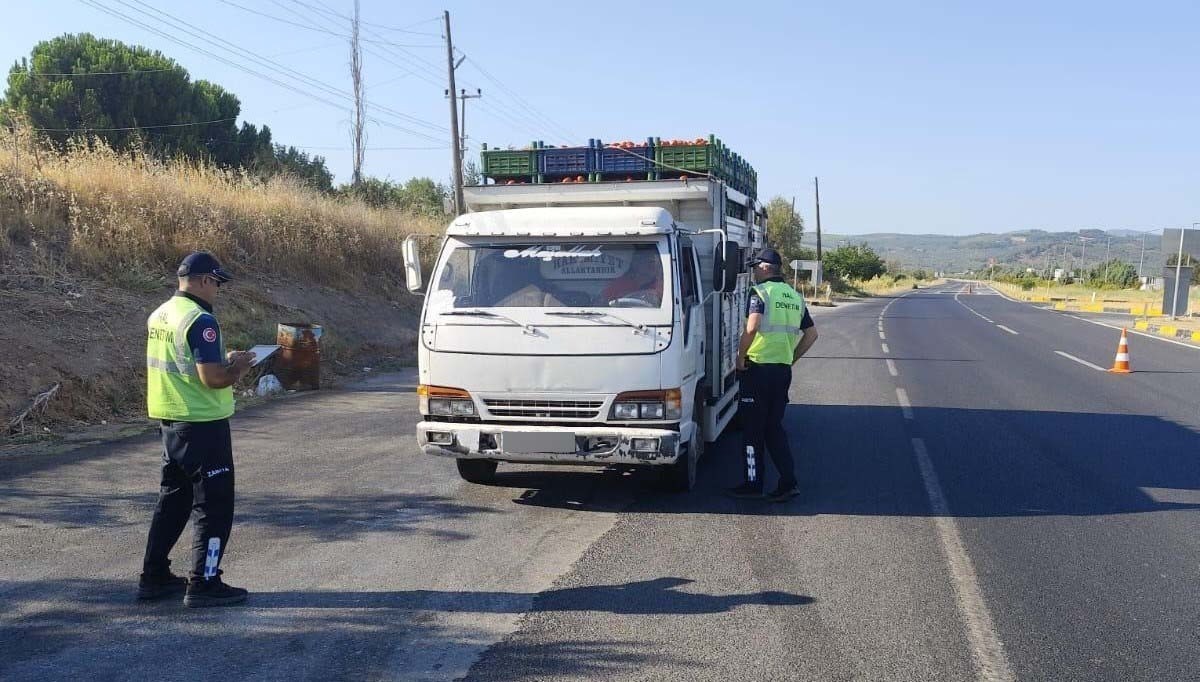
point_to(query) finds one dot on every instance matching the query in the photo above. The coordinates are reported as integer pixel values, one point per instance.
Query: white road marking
(1082, 362)
(986, 648)
(1103, 324)
(973, 311)
(892, 368)
(882, 337)
(905, 405)
(886, 350)
(1007, 329)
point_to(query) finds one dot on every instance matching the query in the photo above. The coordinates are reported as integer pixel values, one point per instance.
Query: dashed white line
(973, 311)
(1010, 331)
(892, 368)
(886, 350)
(882, 336)
(905, 405)
(1080, 361)
(986, 647)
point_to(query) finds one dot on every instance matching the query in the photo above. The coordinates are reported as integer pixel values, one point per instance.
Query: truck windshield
(550, 275)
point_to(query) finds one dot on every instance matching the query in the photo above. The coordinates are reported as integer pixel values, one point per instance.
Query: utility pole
(359, 114)
(1107, 258)
(820, 261)
(462, 95)
(1141, 258)
(455, 156)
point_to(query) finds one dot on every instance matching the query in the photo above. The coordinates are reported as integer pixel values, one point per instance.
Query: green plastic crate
(701, 158)
(508, 163)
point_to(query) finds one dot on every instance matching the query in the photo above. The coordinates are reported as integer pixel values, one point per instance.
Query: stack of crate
(622, 161)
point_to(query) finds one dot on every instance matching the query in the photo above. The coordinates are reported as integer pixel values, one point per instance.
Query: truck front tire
(680, 477)
(476, 470)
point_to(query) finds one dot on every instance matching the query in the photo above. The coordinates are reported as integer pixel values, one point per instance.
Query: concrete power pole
(462, 95)
(359, 113)
(820, 261)
(455, 155)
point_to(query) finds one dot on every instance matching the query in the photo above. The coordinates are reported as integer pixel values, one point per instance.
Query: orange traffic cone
(1121, 363)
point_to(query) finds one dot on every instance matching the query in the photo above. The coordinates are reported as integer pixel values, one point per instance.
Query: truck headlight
(650, 405)
(625, 411)
(652, 410)
(445, 402)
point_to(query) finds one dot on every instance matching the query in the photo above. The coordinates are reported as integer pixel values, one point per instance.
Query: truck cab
(591, 328)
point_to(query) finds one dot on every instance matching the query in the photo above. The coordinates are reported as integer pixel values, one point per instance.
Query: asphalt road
(977, 506)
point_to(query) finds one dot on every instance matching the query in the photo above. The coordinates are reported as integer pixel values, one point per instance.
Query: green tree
(471, 174)
(139, 93)
(854, 261)
(419, 195)
(784, 229)
(1114, 274)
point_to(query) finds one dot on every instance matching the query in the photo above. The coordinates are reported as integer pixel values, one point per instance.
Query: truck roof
(566, 221)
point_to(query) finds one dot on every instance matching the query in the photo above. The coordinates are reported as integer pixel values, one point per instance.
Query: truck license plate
(530, 443)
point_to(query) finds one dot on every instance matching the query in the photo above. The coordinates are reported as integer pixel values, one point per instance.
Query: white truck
(590, 323)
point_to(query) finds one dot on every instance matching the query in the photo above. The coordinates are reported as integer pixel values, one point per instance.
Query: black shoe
(784, 493)
(212, 592)
(158, 586)
(745, 491)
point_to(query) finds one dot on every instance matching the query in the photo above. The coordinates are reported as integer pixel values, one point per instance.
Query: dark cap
(199, 263)
(767, 256)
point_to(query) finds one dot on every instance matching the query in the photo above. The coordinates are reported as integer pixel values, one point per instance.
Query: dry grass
(124, 215)
(1083, 294)
(885, 286)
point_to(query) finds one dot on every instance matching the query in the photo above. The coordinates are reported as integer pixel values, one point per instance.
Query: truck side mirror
(413, 277)
(718, 283)
(733, 266)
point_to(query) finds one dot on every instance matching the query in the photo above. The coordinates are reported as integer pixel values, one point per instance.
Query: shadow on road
(316, 517)
(857, 460)
(54, 628)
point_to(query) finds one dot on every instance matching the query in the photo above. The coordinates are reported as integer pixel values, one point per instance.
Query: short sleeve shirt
(756, 306)
(204, 338)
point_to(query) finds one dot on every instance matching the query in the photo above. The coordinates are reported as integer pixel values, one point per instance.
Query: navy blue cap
(767, 256)
(200, 263)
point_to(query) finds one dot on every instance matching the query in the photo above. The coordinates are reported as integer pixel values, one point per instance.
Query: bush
(1027, 284)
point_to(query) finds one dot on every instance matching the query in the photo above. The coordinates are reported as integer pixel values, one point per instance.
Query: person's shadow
(643, 597)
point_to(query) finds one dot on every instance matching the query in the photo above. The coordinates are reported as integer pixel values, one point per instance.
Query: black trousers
(197, 481)
(763, 402)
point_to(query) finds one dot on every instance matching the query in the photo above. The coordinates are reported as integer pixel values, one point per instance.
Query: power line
(388, 28)
(113, 130)
(297, 75)
(96, 4)
(519, 100)
(495, 108)
(298, 25)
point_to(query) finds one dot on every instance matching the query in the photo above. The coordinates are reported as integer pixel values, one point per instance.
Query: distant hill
(1027, 248)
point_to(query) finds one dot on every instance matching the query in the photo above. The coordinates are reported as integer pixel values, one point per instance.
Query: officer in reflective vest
(189, 379)
(778, 332)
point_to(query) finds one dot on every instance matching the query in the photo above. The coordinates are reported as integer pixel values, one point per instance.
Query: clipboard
(263, 352)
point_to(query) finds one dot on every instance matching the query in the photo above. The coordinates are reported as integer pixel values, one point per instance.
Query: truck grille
(544, 409)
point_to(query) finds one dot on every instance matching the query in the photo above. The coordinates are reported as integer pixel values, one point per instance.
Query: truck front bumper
(593, 444)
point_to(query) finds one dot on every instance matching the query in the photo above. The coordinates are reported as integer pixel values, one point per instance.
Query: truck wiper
(638, 327)
(475, 312)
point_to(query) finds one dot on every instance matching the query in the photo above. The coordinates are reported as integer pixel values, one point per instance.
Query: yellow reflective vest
(173, 387)
(783, 311)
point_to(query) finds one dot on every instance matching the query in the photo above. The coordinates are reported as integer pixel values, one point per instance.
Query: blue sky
(938, 117)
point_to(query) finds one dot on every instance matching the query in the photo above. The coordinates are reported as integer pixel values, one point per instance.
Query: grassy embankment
(89, 240)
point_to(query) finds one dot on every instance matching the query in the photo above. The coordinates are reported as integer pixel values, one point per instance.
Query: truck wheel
(476, 470)
(680, 477)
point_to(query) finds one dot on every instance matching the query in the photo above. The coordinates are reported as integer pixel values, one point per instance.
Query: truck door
(693, 313)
